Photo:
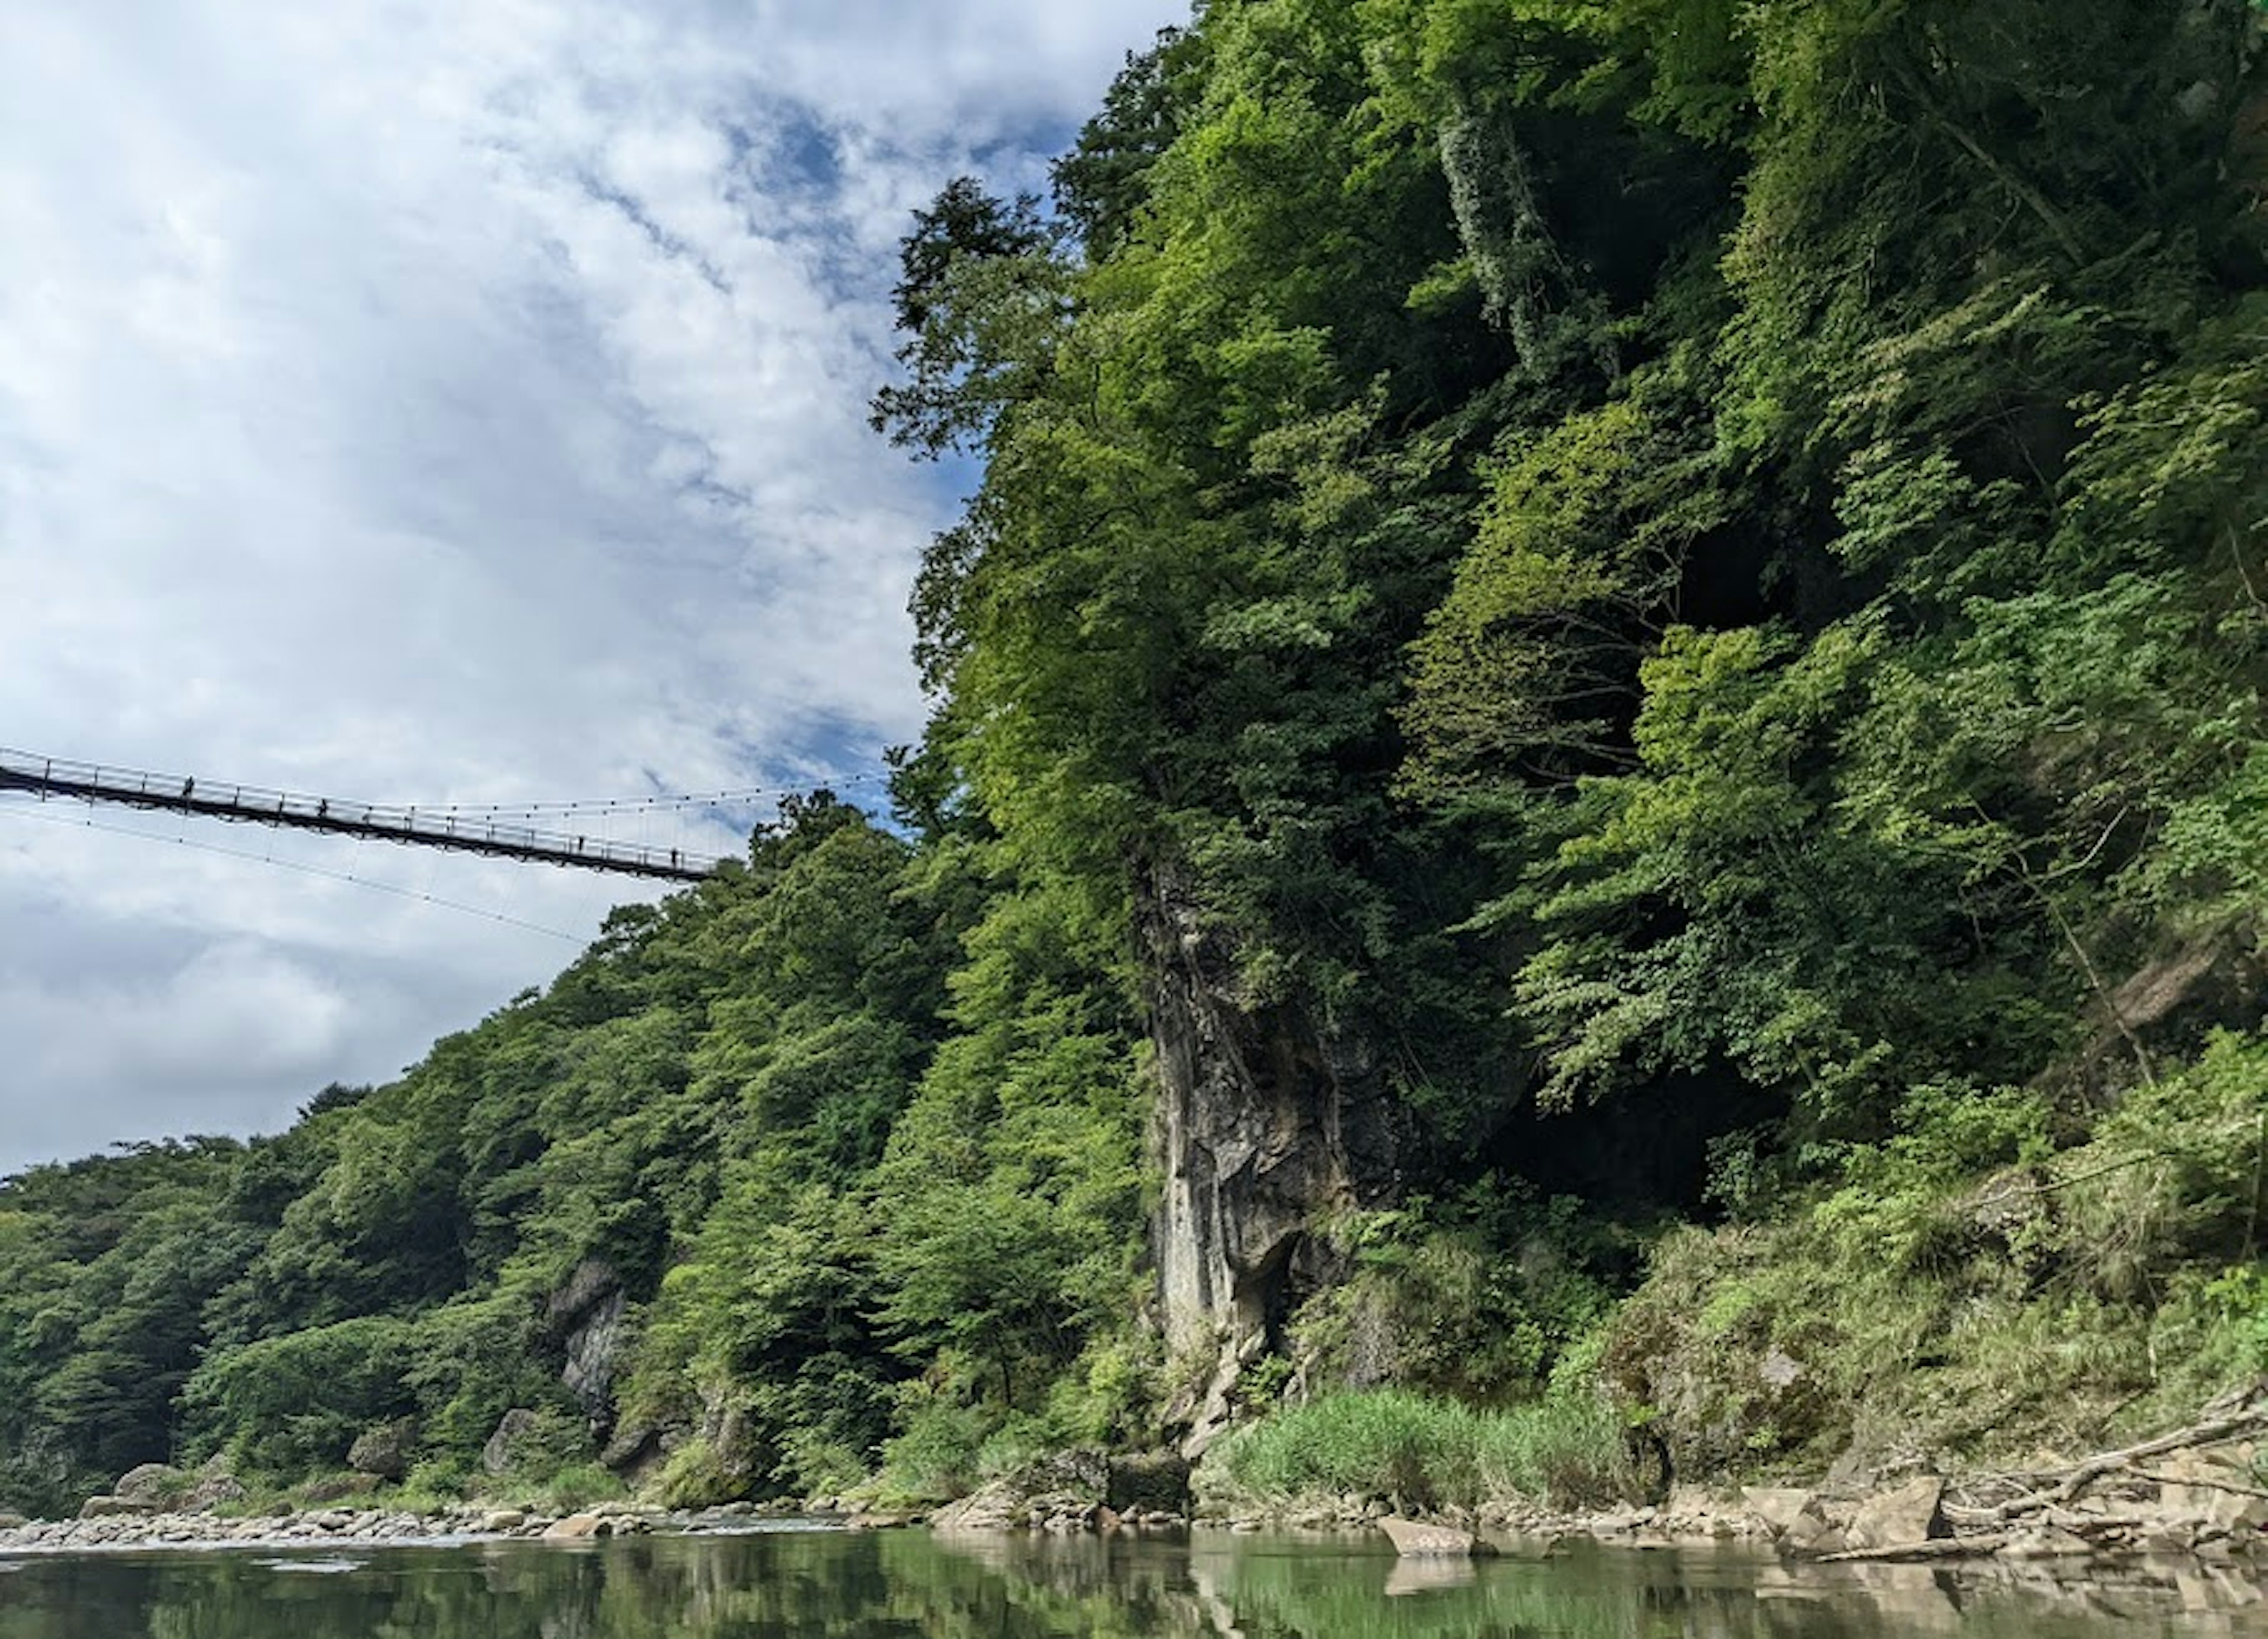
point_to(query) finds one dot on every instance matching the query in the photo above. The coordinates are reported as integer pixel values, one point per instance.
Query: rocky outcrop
(215, 1488)
(1912, 1513)
(111, 1507)
(638, 1453)
(1151, 1482)
(513, 1431)
(151, 1483)
(384, 1450)
(1070, 1491)
(1266, 1124)
(1063, 1493)
(590, 1316)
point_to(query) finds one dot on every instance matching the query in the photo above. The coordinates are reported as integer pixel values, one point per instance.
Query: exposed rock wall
(589, 1315)
(1266, 1125)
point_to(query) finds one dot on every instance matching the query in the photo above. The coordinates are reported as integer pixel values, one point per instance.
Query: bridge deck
(58, 777)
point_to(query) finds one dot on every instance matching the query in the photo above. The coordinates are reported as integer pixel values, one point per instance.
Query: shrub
(694, 1477)
(578, 1487)
(935, 1457)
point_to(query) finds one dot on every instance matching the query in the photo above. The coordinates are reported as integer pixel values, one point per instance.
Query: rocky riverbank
(371, 1527)
(2193, 1494)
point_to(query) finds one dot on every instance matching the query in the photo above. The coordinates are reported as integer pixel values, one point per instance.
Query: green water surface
(912, 1586)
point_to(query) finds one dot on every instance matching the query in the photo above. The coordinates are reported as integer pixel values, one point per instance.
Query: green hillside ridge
(1672, 593)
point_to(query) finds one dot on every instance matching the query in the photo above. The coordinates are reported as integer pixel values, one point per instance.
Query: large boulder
(384, 1450)
(1416, 1540)
(115, 1507)
(513, 1433)
(151, 1482)
(996, 1505)
(1060, 1491)
(212, 1491)
(1913, 1512)
(637, 1453)
(1780, 1507)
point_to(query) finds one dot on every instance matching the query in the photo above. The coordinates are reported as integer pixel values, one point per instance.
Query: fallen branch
(1936, 1547)
(2055, 1488)
(2208, 1433)
(2202, 1483)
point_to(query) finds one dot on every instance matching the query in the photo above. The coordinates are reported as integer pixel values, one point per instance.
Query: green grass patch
(1413, 1450)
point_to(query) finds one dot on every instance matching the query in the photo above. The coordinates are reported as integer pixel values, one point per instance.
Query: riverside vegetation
(1597, 812)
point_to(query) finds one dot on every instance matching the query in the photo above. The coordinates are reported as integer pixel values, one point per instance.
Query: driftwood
(1999, 1510)
(2058, 1487)
(2200, 1482)
(2209, 1433)
(1936, 1547)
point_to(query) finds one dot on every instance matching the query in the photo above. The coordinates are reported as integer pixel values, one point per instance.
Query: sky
(435, 402)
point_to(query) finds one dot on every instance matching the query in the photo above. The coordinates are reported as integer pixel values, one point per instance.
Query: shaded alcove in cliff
(1645, 1151)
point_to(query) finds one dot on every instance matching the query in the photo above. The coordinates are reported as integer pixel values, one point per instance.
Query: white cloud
(441, 402)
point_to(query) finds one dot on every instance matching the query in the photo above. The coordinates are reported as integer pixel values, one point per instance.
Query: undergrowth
(1970, 1289)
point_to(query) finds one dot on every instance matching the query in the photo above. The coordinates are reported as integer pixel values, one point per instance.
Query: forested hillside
(1598, 736)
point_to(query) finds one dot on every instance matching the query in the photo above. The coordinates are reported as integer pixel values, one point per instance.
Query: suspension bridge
(476, 831)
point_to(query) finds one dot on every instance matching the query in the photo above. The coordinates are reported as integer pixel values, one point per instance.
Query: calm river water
(911, 1586)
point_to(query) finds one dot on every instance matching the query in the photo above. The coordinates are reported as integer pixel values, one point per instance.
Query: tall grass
(1393, 1446)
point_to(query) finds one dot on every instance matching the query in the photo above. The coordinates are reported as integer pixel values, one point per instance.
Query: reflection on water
(911, 1585)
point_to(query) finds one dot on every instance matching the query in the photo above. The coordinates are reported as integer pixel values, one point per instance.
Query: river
(908, 1585)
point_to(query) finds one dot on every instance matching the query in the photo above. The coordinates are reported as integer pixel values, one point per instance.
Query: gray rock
(1267, 1122)
(1815, 1535)
(2206, 1494)
(1416, 1540)
(384, 1450)
(2237, 1514)
(1780, 1370)
(2045, 1542)
(1780, 1507)
(588, 1315)
(115, 1507)
(1912, 1513)
(594, 1350)
(2197, 99)
(502, 1450)
(578, 1528)
(214, 1490)
(150, 1483)
(1063, 1492)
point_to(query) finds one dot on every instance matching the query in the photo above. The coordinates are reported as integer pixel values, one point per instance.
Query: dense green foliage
(732, 1113)
(1685, 576)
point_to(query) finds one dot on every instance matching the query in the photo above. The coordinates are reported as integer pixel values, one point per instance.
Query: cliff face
(1265, 1126)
